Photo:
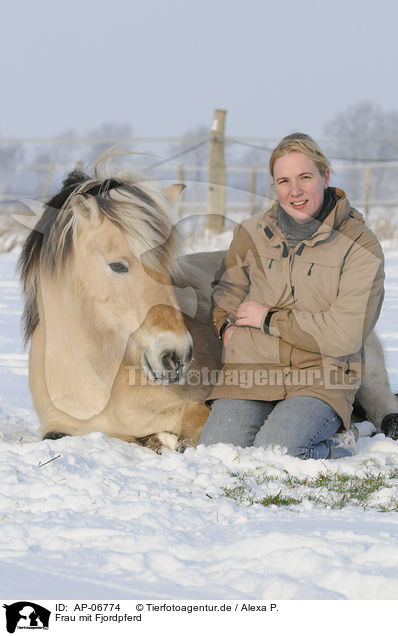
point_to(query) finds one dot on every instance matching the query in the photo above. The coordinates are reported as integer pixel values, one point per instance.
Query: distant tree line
(361, 132)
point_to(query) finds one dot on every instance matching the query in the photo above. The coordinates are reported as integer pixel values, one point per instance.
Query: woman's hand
(251, 314)
(228, 333)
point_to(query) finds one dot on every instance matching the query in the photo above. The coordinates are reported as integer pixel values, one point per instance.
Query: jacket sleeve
(341, 329)
(232, 282)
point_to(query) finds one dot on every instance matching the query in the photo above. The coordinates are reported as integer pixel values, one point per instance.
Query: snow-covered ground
(98, 518)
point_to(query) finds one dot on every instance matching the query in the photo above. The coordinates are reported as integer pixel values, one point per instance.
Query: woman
(300, 289)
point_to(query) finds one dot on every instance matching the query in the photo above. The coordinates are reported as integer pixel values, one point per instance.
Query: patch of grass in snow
(329, 489)
(279, 499)
(244, 493)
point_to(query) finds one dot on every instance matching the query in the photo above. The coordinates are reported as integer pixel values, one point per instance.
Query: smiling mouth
(299, 204)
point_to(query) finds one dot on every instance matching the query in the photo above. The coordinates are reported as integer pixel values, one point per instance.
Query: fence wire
(35, 169)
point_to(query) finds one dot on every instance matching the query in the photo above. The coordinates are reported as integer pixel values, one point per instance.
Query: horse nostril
(165, 359)
(170, 360)
(174, 365)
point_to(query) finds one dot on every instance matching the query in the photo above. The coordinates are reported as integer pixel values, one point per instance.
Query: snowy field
(97, 518)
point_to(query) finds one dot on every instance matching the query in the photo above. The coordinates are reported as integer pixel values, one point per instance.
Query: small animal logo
(194, 377)
(26, 615)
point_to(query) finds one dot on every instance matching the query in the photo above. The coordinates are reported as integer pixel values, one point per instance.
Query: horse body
(136, 407)
(115, 322)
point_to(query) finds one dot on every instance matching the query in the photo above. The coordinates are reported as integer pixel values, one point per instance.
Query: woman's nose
(296, 188)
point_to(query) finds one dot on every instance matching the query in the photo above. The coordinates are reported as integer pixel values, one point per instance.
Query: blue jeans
(303, 425)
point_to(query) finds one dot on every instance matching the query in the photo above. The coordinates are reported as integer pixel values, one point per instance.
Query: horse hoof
(168, 441)
(389, 425)
(183, 444)
(159, 442)
(54, 435)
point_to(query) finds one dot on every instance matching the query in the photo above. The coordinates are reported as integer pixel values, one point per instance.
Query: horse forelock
(141, 214)
(138, 210)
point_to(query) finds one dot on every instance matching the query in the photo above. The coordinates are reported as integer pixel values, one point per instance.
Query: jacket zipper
(291, 261)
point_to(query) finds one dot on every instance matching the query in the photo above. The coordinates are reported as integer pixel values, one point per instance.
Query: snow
(98, 518)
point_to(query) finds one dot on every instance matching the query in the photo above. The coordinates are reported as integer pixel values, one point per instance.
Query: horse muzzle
(167, 364)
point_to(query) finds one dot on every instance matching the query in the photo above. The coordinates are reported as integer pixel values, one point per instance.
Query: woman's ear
(327, 178)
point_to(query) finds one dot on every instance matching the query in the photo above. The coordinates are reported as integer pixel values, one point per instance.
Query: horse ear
(172, 192)
(85, 207)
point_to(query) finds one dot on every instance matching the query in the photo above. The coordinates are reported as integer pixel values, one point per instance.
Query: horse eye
(119, 268)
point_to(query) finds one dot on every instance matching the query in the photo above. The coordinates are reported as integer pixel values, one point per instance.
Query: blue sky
(162, 67)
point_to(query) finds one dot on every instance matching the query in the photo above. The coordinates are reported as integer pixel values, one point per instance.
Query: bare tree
(11, 159)
(112, 133)
(364, 131)
(197, 157)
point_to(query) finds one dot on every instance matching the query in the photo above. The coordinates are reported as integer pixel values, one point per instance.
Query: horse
(102, 315)
(116, 319)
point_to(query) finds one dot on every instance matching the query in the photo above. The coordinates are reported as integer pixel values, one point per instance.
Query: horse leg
(374, 396)
(194, 419)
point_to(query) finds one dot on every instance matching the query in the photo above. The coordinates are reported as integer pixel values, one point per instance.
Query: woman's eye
(119, 268)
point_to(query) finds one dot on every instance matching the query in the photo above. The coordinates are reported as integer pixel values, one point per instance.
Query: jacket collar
(326, 230)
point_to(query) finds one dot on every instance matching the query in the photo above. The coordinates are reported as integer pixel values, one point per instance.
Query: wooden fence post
(47, 185)
(181, 198)
(252, 189)
(271, 189)
(367, 190)
(216, 174)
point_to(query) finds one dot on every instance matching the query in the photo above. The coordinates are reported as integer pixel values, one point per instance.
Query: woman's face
(299, 185)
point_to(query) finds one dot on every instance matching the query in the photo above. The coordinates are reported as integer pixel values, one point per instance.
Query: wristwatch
(224, 326)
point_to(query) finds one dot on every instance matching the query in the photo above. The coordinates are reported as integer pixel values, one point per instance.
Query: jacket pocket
(248, 345)
(341, 373)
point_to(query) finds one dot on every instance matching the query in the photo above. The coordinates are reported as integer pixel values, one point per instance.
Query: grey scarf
(296, 232)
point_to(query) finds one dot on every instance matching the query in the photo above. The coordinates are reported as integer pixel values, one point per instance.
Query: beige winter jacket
(326, 295)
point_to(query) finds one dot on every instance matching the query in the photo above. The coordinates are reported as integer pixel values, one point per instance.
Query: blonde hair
(300, 142)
